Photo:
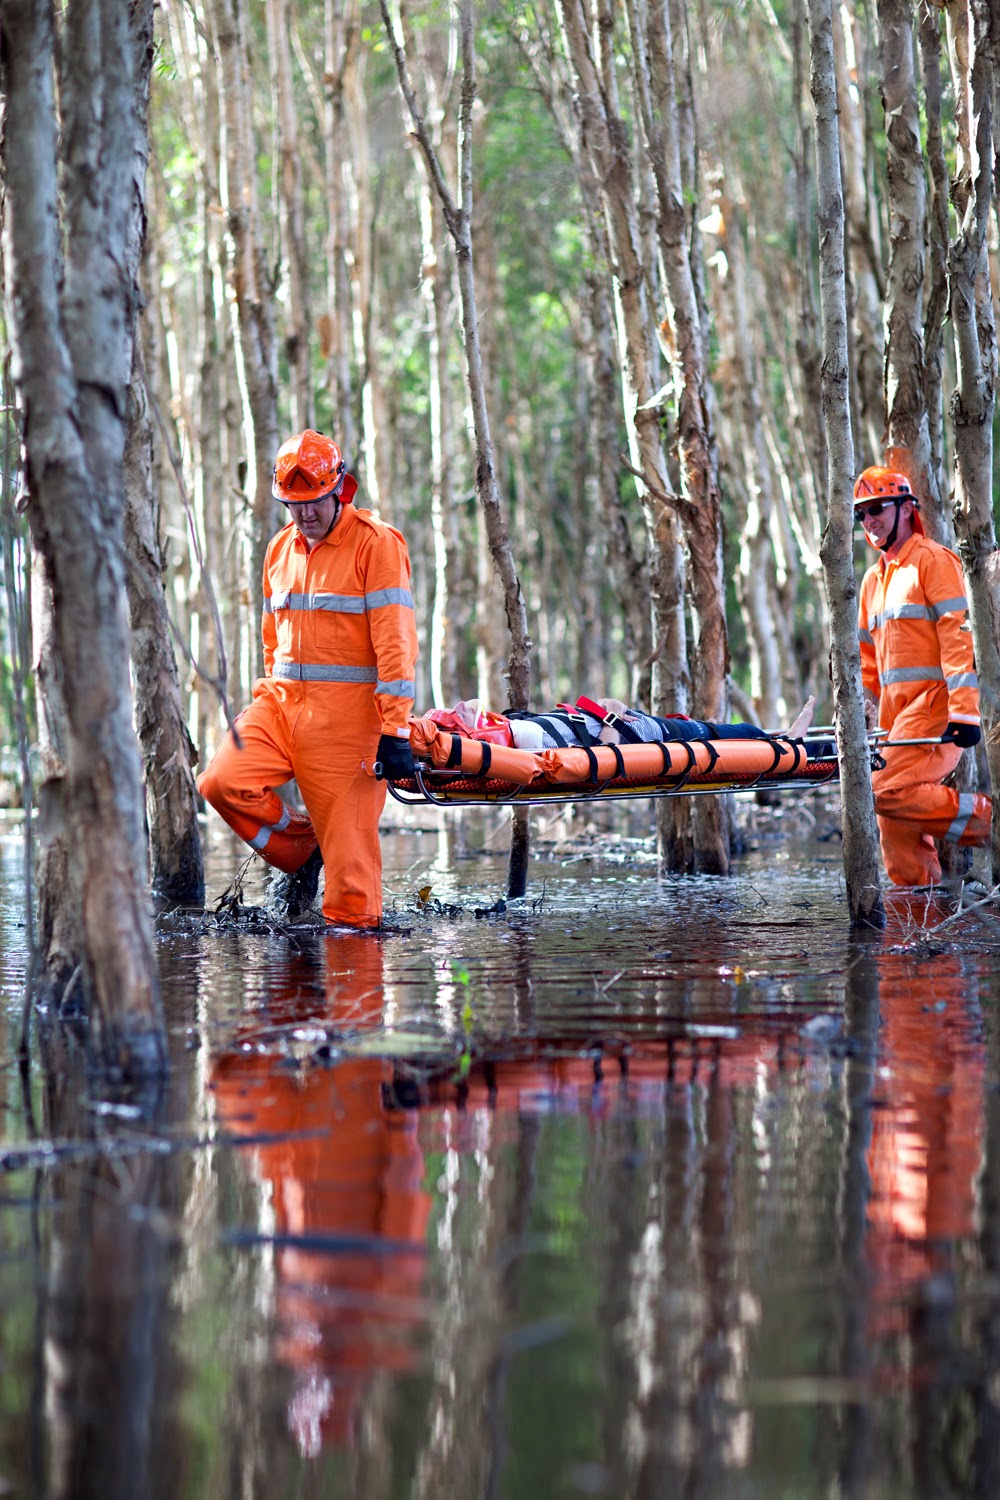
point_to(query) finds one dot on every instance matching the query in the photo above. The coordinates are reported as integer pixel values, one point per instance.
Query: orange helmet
(308, 467)
(878, 483)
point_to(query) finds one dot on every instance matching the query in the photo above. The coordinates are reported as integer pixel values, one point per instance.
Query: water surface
(635, 1188)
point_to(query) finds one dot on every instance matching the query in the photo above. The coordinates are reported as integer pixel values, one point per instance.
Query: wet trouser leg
(914, 809)
(239, 783)
(334, 743)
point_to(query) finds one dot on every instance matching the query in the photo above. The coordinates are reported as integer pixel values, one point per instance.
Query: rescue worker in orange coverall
(917, 666)
(340, 650)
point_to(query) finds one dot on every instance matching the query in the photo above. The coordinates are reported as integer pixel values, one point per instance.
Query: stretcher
(452, 770)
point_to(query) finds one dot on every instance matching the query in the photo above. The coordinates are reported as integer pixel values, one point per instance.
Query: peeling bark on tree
(71, 332)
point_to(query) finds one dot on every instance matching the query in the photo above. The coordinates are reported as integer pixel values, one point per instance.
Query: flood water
(635, 1188)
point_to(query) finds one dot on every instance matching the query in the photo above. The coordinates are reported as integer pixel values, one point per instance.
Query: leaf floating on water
(425, 892)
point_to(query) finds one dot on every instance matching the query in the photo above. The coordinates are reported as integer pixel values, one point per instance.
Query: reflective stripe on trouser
(320, 735)
(914, 809)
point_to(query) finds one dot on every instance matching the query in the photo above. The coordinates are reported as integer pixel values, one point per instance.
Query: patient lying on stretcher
(608, 721)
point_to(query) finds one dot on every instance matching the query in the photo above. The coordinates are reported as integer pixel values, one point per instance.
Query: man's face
(878, 527)
(313, 517)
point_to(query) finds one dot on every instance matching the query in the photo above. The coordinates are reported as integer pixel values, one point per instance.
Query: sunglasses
(876, 507)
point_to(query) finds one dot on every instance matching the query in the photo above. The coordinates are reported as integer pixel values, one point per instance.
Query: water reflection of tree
(108, 1254)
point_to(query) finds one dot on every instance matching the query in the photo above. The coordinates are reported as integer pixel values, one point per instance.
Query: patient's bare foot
(802, 719)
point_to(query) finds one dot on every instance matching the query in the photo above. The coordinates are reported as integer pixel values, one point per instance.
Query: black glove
(394, 758)
(962, 734)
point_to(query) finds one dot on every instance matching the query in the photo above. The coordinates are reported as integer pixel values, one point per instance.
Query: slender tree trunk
(972, 406)
(700, 500)
(73, 390)
(341, 39)
(754, 579)
(627, 565)
(861, 868)
(459, 220)
(168, 754)
(807, 343)
(929, 23)
(252, 284)
(292, 213)
(905, 401)
(604, 141)
(864, 260)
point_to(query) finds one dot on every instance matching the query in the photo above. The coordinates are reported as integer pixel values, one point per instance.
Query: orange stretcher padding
(710, 763)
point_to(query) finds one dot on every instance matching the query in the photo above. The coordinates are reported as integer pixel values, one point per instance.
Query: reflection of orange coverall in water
(927, 1135)
(347, 1168)
(340, 650)
(916, 660)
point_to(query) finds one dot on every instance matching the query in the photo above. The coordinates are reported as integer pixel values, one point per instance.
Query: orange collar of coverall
(905, 550)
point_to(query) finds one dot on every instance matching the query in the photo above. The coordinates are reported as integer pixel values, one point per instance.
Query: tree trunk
(341, 39)
(254, 291)
(292, 213)
(905, 396)
(700, 511)
(168, 755)
(73, 391)
(604, 141)
(929, 23)
(625, 560)
(973, 402)
(864, 260)
(861, 869)
(459, 220)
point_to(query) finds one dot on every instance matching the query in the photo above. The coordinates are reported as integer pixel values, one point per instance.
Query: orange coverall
(340, 650)
(916, 660)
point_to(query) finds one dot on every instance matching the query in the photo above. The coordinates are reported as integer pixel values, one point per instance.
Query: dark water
(633, 1189)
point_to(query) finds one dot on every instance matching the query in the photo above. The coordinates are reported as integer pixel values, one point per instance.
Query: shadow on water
(635, 1188)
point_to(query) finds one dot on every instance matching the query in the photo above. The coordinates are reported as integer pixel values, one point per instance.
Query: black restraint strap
(690, 767)
(455, 753)
(619, 762)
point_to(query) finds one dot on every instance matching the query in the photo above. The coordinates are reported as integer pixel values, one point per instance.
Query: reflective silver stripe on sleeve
(948, 607)
(379, 598)
(961, 679)
(866, 635)
(911, 674)
(398, 689)
(262, 837)
(296, 671)
(966, 807)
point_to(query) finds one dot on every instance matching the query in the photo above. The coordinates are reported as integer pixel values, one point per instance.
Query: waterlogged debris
(498, 909)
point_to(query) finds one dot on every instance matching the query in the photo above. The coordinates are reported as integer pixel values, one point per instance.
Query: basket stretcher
(453, 770)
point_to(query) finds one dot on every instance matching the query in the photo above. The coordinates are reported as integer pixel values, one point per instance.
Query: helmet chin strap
(897, 501)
